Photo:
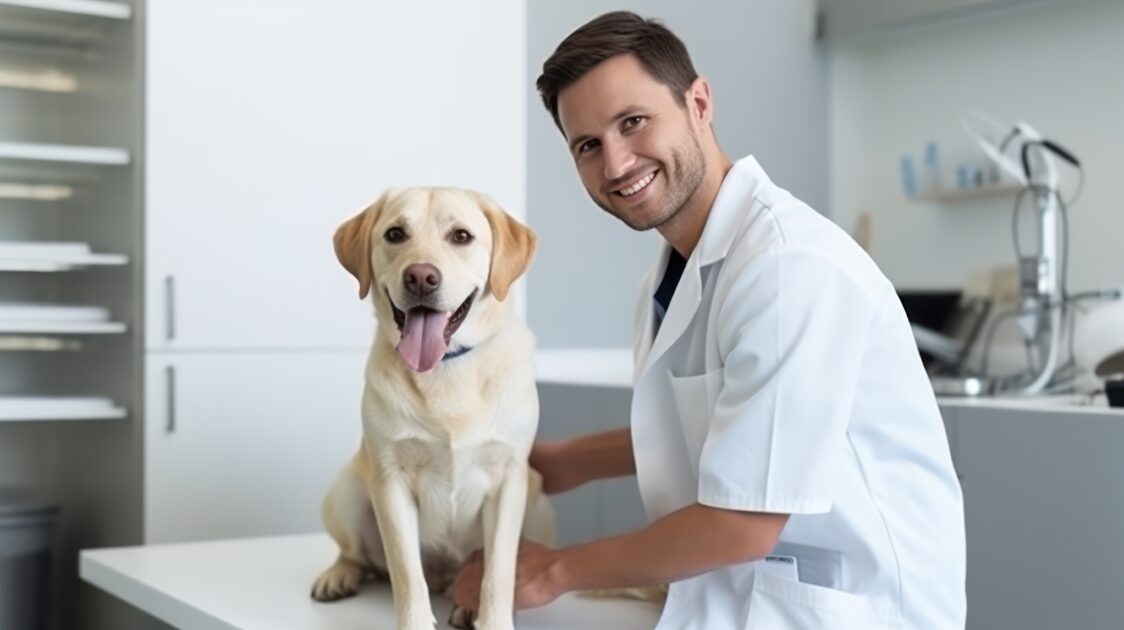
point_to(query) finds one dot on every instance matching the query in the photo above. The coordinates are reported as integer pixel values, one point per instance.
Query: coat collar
(745, 181)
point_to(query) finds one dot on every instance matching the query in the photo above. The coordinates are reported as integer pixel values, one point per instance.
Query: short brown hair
(660, 52)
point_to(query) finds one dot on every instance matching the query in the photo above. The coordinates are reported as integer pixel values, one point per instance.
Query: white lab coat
(785, 378)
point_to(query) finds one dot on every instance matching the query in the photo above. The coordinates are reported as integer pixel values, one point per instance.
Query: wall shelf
(32, 408)
(95, 8)
(51, 80)
(62, 263)
(59, 26)
(956, 195)
(73, 154)
(35, 192)
(25, 343)
(63, 328)
(52, 256)
(23, 317)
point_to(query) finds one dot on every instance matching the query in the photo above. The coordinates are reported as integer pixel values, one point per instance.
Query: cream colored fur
(442, 469)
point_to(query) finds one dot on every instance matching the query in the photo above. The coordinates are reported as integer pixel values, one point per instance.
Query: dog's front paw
(416, 622)
(339, 581)
(494, 623)
(462, 618)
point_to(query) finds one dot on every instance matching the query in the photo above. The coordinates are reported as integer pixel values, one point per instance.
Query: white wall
(770, 85)
(1056, 66)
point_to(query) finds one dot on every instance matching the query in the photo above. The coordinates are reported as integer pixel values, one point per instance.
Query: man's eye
(632, 121)
(587, 146)
(461, 237)
(395, 235)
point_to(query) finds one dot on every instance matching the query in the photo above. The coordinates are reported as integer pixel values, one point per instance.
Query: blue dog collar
(454, 354)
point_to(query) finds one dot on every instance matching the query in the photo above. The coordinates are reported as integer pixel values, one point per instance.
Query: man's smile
(638, 185)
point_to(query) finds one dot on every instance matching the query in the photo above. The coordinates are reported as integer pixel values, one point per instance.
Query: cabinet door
(246, 444)
(269, 122)
(1044, 508)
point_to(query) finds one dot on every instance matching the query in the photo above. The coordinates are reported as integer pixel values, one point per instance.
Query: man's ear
(700, 102)
(513, 248)
(353, 244)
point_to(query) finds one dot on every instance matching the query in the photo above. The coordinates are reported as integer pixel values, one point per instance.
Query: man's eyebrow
(627, 112)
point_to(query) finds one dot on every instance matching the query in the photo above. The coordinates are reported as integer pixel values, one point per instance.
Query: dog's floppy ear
(513, 247)
(353, 244)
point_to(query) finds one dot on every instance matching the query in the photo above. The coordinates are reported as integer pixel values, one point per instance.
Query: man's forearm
(603, 455)
(691, 541)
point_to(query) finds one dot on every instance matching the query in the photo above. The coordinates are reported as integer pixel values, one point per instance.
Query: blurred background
(181, 355)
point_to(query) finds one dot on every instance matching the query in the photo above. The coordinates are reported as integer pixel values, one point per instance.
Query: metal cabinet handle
(169, 308)
(170, 399)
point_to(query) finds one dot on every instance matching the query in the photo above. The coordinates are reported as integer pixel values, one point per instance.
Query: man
(787, 444)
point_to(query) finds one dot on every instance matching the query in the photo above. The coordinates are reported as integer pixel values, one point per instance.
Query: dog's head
(430, 255)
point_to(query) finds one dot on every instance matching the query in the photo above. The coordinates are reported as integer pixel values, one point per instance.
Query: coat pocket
(778, 602)
(695, 397)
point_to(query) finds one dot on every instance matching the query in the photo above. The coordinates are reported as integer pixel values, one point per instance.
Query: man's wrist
(569, 457)
(563, 573)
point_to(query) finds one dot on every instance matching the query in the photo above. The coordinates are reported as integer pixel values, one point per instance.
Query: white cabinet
(1044, 509)
(271, 121)
(245, 444)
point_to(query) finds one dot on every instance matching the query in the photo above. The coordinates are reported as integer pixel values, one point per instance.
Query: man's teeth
(638, 186)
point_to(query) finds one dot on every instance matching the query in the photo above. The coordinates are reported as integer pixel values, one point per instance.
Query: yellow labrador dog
(449, 407)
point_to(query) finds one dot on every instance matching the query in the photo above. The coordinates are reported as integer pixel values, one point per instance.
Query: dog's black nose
(421, 279)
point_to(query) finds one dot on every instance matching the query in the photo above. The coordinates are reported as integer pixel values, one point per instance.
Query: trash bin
(26, 531)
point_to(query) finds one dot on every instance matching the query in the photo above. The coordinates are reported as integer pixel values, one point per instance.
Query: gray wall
(598, 509)
(1055, 65)
(770, 83)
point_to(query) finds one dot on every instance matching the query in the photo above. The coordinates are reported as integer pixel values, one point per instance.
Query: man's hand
(668, 550)
(559, 473)
(567, 464)
(537, 578)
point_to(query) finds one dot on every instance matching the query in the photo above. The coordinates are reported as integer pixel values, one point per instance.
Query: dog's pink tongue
(423, 339)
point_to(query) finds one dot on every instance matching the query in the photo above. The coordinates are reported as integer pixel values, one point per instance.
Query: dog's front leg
(397, 514)
(503, 521)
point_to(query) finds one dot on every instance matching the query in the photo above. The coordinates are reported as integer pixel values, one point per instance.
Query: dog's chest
(450, 485)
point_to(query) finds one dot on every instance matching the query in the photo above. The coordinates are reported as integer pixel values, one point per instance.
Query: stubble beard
(688, 165)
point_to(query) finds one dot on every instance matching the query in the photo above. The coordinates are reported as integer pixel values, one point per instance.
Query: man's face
(637, 149)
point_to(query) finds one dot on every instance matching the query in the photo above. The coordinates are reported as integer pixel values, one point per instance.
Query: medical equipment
(1099, 347)
(1041, 311)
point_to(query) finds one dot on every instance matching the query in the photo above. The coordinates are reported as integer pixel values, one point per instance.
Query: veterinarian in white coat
(786, 441)
(783, 379)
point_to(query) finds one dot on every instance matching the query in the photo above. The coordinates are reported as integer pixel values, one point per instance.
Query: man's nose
(619, 159)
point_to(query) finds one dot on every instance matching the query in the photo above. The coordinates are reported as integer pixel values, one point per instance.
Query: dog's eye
(395, 235)
(461, 237)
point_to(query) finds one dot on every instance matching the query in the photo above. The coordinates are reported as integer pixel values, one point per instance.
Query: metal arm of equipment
(1040, 275)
